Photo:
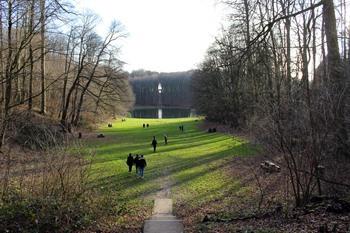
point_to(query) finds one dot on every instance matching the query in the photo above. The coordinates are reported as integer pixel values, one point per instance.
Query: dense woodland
(281, 71)
(176, 88)
(53, 62)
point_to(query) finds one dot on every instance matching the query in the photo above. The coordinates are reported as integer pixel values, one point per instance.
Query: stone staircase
(163, 221)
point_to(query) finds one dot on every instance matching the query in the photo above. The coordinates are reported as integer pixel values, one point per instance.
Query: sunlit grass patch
(194, 161)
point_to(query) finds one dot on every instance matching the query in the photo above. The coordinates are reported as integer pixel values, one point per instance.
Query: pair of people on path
(181, 128)
(139, 162)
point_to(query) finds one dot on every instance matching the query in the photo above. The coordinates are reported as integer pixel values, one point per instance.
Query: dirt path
(166, 184)
(165, 187)
(163, 220)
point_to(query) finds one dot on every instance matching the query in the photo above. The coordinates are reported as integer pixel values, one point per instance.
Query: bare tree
(295, 104)
(49, 70)
(42, 56)
(114, 34)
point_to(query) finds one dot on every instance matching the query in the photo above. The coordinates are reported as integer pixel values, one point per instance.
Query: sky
(163, 35)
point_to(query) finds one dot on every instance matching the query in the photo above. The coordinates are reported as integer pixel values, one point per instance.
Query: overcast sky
(163, 35)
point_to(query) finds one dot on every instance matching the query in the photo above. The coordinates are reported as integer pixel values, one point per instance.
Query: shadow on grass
(134, 188)
(189, 156)
(146, 149)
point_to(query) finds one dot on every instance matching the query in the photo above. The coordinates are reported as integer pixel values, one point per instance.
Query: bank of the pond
(166, 112)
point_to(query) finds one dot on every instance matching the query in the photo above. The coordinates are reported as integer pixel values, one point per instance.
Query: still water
(162, 113)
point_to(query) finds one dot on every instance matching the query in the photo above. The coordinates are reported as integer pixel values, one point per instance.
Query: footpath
(163, 220)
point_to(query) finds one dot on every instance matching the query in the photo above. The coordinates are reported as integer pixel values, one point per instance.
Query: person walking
(165, 139)
(154, 143)
(142, 165)
(137, 162)
(130, 162)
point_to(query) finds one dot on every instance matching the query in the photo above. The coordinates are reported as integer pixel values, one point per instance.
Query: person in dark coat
(165, 139)
(142, 165)
(130, 162)
(154, 143)
(136, 162)
(147, 125)
(144, 125)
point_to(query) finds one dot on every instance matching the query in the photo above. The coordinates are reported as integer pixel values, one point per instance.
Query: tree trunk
(332, 41)
(74, 85)
(31, 59)
(349, 49)
(323, 80)
(289, 70)
(76, 118)
(1, 57)
(336, 74)
(42, 57)
(68, 99)
(68, 61)
(8, 77)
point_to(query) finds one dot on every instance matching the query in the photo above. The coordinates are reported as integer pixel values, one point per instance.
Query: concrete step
(163, 206)
(163, 221)
(163, 217)
(163, 226)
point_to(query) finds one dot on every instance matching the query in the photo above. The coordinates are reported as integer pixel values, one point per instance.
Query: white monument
(160, 111)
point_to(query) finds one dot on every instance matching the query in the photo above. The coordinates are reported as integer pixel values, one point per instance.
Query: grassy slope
(194, 160)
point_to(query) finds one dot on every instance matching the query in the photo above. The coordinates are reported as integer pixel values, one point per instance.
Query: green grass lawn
(194, 161)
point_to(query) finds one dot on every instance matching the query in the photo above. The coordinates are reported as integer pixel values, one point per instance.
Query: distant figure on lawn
(165, 139)
(154, 143)
(137, 163)
(147, 125)
(130, 162)
(144, 125)
(142, 165)
(181, 127)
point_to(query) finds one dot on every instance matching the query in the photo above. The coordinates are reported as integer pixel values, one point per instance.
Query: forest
(281, 72)
(176, 88)
(53, 63)
(58, 77)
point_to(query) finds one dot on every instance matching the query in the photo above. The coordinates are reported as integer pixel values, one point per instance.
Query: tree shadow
(197, 153)
(146, 149)
(135, 188)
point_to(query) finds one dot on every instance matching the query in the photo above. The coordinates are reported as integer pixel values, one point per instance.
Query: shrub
(51, 197)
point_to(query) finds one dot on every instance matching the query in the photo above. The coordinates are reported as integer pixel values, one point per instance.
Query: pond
(168, 112)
